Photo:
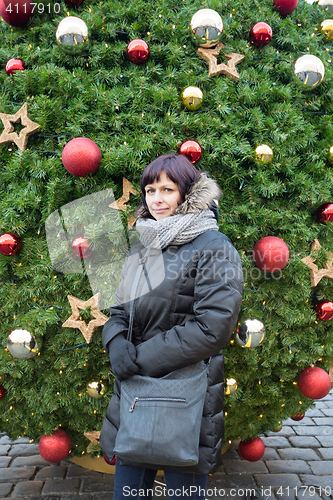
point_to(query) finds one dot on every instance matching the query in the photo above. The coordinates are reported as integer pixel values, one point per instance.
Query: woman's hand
(122, 354)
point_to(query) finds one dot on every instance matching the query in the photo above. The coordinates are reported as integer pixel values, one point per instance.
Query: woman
(190, 296)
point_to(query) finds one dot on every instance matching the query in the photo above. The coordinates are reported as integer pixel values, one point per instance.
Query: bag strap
(133, 293)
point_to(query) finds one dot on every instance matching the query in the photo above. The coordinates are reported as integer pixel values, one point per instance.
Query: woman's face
(162, 197)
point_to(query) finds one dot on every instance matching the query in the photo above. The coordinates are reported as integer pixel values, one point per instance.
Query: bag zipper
(175, 400)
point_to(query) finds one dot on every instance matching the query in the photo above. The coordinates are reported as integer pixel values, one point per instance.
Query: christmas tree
(264, 127)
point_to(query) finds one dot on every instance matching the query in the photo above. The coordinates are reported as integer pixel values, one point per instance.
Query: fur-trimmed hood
(204, 194)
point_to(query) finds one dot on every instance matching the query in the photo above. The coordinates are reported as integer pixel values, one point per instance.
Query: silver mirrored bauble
(230, 386)
(309, 70)
(72, 35)
(250, 333)
(207, 27)
(96, 389)
(326, 4)
(22, 344)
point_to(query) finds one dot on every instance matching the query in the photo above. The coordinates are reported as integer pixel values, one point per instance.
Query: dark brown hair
(177, 167)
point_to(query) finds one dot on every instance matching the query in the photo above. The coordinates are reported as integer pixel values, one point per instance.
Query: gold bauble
(230, 386)
(192, 98)
(96, 389)
(263, 153)
(330, 155)
(309, 70)
(278, 427)
(72, 35)
(326, 28)
(207, 27)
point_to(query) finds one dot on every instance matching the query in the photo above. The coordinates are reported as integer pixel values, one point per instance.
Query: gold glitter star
(210, 56)
(315, 273)
(120, 204)
(9, 134)
(93, 437)
(74, 320)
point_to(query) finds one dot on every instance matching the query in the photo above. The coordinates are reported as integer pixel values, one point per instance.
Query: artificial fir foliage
(134, 113)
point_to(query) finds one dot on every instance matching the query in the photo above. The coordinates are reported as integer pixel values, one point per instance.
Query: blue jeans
(137, 482)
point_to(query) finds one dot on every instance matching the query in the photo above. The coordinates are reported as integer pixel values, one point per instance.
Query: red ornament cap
(325, 213)
(270, 254)
(81, 248)
(16, 13)
(252, 449)
(191, 149)
(324, 309)
(14, 65)
(285, 7)
(314, 382)
(81, 156)
(10, 243)
(261, 34)
(138, 51)
(56, 447)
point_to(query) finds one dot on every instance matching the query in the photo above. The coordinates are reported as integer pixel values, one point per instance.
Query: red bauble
(80, 247)
(252, 449)
(73, 3)
(14, 65)
(270, 254)
(56, 447)
(2, 391)
(325, 213)
(299, 416)
(324, 309)
(10, 244)
(191, 149)
(314, 382)
(110, 462)
(285, 7)
(16, 13)
(261, 34)
(81, 156)
(138, 51)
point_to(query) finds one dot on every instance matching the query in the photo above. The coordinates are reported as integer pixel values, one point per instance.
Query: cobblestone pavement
(298, 464)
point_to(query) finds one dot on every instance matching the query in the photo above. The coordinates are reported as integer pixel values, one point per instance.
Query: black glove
(122, 354)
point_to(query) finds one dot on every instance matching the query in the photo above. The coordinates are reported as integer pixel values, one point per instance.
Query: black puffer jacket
(190, 296)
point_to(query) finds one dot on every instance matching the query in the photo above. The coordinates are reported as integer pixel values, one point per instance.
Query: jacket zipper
(174, 400)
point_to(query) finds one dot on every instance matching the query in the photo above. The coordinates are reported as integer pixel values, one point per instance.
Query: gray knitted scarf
(176, 229)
